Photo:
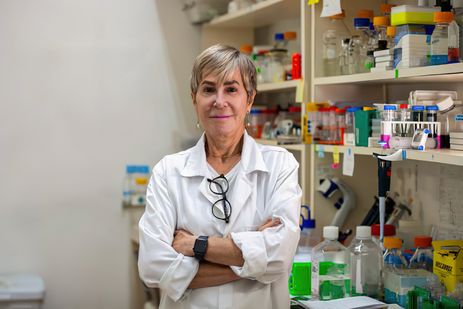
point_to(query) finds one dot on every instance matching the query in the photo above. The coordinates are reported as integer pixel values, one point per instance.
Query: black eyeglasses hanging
(219, 186)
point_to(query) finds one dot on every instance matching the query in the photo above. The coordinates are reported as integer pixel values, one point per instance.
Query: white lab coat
(179, 197)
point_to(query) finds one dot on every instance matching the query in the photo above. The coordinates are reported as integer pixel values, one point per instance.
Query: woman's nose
(220, 100)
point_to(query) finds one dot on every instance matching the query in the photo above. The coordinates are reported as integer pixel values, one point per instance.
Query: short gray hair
(222, 60)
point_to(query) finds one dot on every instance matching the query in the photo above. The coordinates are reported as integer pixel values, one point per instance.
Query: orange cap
(381, 21)
(246, 49)
(339, 16)
(290, 35)
(390, 31)
(392, 243)
(443, 17)
(365, 14)
(423, 241)
(386, 8)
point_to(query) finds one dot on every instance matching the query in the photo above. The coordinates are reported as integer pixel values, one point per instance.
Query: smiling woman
(221, 223)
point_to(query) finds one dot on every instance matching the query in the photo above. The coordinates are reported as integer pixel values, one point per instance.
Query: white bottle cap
(363, 232)
(330, 232)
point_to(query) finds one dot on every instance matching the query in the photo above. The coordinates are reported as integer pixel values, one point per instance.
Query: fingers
(269, 223)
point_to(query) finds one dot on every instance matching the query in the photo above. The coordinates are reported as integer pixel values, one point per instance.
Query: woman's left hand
(184, 242)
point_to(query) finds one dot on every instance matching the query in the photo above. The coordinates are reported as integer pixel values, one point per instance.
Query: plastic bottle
(381, 23)
(440, 38)
(343, 57)
(340, 125)
(366, 264)
(332, 40)
(393, 257)
(423, 256)
(296, 66)
(330, 267)
(349, 132)
(355, 57)
(458, 13)
(454, 42)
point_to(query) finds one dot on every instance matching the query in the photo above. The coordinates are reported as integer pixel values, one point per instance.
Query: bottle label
(439, 46)
(459, 117)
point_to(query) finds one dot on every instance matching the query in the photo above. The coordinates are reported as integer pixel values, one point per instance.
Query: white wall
(85, 87)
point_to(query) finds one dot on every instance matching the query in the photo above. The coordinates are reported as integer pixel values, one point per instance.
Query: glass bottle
(330, 267)
(423, 256)
(366, 264)
(366, 43)
(332, 44)
(440, 38)
(458, 14)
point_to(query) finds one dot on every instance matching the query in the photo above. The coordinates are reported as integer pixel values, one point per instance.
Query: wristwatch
(200, 247)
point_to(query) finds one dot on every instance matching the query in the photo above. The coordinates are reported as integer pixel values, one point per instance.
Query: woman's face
(221, 109)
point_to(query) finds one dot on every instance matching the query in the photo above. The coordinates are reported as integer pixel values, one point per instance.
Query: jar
(256, 122)
(276, 65)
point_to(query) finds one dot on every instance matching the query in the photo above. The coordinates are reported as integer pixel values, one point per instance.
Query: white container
(21, 291)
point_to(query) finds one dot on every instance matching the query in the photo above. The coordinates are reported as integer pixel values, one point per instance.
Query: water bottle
(330, 267)
(366, 264)
(423, 256)
(393, 257)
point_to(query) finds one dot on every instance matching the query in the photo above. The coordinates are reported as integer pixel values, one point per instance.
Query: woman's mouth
(220, 116)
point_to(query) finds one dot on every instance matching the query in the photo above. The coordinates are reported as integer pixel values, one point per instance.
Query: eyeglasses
(219, 186)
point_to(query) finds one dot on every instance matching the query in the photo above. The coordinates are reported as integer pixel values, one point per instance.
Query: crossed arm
(221, 253)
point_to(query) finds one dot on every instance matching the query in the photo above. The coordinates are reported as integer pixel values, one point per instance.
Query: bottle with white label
(366, 264)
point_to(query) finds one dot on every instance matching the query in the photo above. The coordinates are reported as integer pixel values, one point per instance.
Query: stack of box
(384, 60)
(456, 140)
(448, 262)
(414, 27)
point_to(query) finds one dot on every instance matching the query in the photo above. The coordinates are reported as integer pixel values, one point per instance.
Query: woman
(221, 222)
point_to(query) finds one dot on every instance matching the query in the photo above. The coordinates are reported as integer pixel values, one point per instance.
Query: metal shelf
(293, 147)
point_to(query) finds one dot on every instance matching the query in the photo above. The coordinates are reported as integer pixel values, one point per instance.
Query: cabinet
(428, 181)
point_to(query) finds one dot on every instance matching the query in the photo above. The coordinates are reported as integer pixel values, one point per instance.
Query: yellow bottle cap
(381, 21)
(290, 35)
(390, 31)
(141, 181)
(392, 243)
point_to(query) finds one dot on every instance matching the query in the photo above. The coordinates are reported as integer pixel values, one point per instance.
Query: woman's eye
(208, 89)
(232, 89)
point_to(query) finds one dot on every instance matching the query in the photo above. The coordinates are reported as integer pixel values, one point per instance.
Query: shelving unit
(292, 147)
(274, 87)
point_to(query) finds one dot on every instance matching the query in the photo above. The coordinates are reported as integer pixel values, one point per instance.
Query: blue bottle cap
(255, 111)
(279, 36)
(432, 108)
(417, 108)
(142, 169)
(390, 107)
(361, 22)
(353, 109)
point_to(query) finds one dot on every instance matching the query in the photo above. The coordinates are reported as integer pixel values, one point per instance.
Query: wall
(85, 87)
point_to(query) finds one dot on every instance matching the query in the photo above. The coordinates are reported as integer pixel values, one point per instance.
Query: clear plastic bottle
(332, 41)
(458, 14)
(366, 264)
(440, 38)
(423, 256)
(393, 257)
(454, 42)
(330, 267)
(349, 132)
(355, 57)
(343, 57)
(381, 23)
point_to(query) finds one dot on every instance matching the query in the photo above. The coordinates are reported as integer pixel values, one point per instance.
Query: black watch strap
(200, 247)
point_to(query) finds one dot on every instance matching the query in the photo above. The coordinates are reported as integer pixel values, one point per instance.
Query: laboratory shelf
(279, 86)
(293, 147)
(435, 74)
(258, 15)
(445, 156)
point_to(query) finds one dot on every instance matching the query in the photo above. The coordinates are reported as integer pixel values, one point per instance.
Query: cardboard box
(448, 262)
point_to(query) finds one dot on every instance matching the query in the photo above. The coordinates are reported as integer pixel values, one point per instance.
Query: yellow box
(411, 14)
(448, 262)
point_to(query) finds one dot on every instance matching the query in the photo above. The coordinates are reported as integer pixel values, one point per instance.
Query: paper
(321, 151)
(300, 91)
(348, 163)
(335, 164)
(358, 302)
(331, 7)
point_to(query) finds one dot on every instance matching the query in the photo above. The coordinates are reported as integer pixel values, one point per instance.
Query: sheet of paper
(320, 150)
(348, 163)
(300, 91)
(358, 302)
(331, 7)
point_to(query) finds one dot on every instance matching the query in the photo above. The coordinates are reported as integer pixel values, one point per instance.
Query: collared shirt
(178, 197)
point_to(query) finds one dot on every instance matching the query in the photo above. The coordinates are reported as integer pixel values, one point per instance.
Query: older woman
(221, 222)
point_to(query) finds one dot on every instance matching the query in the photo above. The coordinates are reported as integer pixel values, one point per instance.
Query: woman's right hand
(269, 223)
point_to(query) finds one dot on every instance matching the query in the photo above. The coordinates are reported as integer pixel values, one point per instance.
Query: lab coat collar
(251, 158)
